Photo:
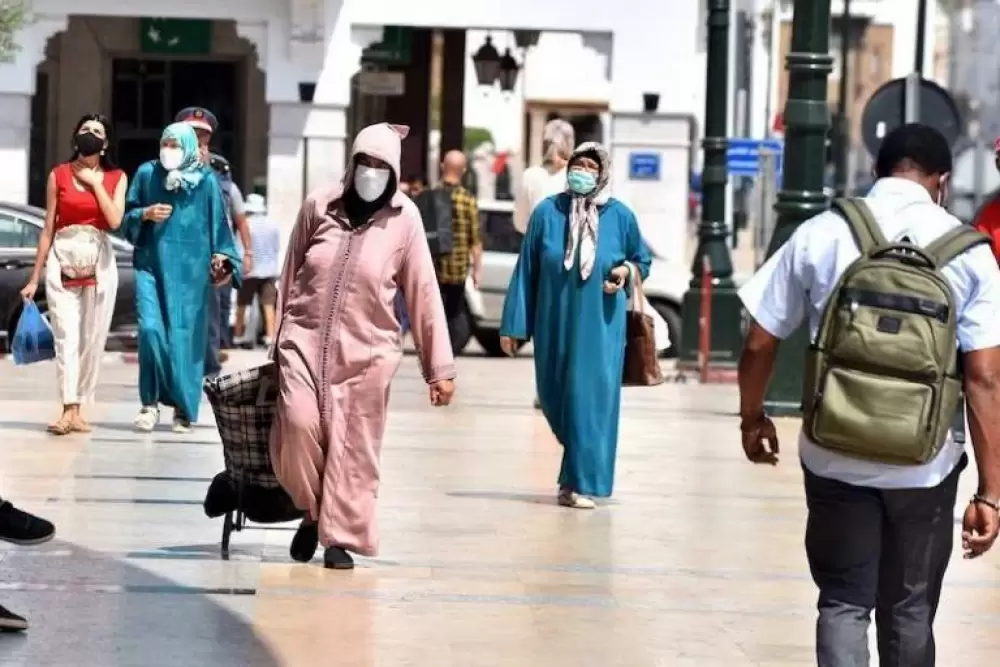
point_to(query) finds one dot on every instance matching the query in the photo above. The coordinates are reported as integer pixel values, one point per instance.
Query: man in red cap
(205, 124)
(987, 220)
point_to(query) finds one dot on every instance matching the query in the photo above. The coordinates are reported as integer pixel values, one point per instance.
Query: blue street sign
(743, 155)
(644, 166)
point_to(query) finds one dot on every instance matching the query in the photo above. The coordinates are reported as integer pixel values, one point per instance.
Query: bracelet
(983, 500)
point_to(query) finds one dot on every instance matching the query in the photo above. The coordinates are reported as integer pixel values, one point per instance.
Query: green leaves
(476, 137)
(13, 15)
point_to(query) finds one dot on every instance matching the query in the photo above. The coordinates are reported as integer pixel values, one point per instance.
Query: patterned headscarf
(558, 138)
(583, 214)
(190, 173)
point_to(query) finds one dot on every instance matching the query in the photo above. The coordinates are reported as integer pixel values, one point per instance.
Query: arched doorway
(148, 92)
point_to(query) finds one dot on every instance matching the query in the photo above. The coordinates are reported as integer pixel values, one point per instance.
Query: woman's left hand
(85, 175)
(616, 279)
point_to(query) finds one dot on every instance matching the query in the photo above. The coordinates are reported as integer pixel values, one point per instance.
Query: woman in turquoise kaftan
(569, 294)
(176, 220)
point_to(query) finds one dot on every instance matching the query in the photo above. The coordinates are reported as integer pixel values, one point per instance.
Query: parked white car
(665, 286)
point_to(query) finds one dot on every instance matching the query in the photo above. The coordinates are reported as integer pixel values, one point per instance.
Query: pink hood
(383, 141)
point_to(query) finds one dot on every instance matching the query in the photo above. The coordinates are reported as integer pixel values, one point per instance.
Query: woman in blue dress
(176, 219)
(569, 294)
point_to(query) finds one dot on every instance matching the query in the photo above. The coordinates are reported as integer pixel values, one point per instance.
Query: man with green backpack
(903, 307)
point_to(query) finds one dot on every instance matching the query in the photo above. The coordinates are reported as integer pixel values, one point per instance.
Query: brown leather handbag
(642, 365)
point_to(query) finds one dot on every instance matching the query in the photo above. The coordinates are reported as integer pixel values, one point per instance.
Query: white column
(318, 48)
(536, 131)
(298, 128)
(17, 86)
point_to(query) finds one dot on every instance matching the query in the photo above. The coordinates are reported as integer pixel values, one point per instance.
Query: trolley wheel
(227, 531)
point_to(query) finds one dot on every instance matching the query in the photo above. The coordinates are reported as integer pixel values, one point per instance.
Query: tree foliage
(949, 7)
(13, 15)
(476, 137)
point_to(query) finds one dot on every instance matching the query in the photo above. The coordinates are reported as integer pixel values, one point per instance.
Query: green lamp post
(807, 119)
(713, 232)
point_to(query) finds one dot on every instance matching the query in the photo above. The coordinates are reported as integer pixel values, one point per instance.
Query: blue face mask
(581, 182)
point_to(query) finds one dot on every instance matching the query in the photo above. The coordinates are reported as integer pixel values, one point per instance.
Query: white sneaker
(242, 341)
(572, 499)
(147, 419)
(181, 425)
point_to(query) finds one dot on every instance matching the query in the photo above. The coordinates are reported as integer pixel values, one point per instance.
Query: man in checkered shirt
(466, 246)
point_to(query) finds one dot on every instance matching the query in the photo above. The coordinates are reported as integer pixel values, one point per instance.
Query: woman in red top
(85, 200)
(988, 218)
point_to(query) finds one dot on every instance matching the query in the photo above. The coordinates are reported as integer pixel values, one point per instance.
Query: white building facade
(644, 48)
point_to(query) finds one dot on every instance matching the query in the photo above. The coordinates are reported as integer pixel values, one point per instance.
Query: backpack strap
(954, 242)
(867, 234)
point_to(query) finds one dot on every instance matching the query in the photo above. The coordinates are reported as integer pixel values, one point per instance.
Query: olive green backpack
(883, 380)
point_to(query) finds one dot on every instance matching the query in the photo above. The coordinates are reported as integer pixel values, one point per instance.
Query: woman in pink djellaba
(338, 345)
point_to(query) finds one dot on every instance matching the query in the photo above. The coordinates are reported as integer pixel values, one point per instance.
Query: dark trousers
(453, 297)
(881, 549)
(225, 297)
(212, 364)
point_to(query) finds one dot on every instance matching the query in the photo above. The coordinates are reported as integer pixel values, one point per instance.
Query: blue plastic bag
(33, 339)
(401, 314)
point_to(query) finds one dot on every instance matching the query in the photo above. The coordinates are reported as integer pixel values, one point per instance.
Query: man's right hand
(980, 526)
(28, 293)
(760, 439)
(157, 212)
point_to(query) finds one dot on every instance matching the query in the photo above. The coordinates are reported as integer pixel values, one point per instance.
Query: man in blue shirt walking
(260, 282)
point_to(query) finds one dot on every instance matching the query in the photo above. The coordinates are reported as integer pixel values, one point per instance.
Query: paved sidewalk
(697, 562)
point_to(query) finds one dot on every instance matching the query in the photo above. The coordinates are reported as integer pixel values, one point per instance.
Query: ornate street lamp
(487, 63)
(802, 195)
(508, 72)
(525, 39)
(713, 253)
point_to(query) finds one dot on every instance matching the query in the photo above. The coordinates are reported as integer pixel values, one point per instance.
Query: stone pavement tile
(73, 629)
(696, 561)
(312, 578)
(477, 630)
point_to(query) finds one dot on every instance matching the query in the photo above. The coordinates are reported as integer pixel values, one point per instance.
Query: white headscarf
(583, 213)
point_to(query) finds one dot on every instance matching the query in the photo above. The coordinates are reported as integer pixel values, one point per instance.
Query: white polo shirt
(795, 283)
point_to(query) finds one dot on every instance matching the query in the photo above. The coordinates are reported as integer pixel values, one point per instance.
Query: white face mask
(370, 182)
(171, 158)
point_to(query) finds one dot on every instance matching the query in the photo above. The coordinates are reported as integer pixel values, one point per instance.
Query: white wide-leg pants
(80, 319)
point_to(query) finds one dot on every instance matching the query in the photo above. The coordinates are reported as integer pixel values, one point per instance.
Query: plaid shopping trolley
(244, 406)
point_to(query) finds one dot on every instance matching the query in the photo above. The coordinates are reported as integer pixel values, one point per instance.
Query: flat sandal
(63, 426)
(80, 425)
